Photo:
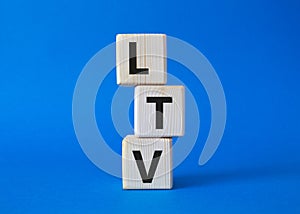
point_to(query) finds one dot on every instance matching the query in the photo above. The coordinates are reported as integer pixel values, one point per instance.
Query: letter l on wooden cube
(141, 59)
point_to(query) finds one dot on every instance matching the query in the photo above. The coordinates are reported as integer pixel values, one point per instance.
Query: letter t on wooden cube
(141, 59)
(159, 111)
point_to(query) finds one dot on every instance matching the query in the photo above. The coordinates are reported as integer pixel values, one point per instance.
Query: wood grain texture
(151, 54)
(145, 117)
(163, 177)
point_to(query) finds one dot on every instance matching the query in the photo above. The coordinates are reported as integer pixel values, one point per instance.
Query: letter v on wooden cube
(159, 111)
(141, 59)
(147, 163)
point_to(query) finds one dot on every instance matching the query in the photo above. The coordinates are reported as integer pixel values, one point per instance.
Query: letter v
(147, 177)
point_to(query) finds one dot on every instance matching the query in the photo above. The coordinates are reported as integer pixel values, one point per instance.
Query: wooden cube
(159, 111)
(147, 163)
(141, 59)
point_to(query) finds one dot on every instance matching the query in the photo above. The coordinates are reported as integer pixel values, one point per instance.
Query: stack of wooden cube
(158, 111)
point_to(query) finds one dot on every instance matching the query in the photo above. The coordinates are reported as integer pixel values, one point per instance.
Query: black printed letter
(132, 61)
(159, 108)
(147, 177)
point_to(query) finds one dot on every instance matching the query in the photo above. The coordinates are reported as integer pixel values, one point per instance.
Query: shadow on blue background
(254, 47)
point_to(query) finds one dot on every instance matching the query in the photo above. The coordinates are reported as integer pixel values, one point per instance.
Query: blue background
(254, 47)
